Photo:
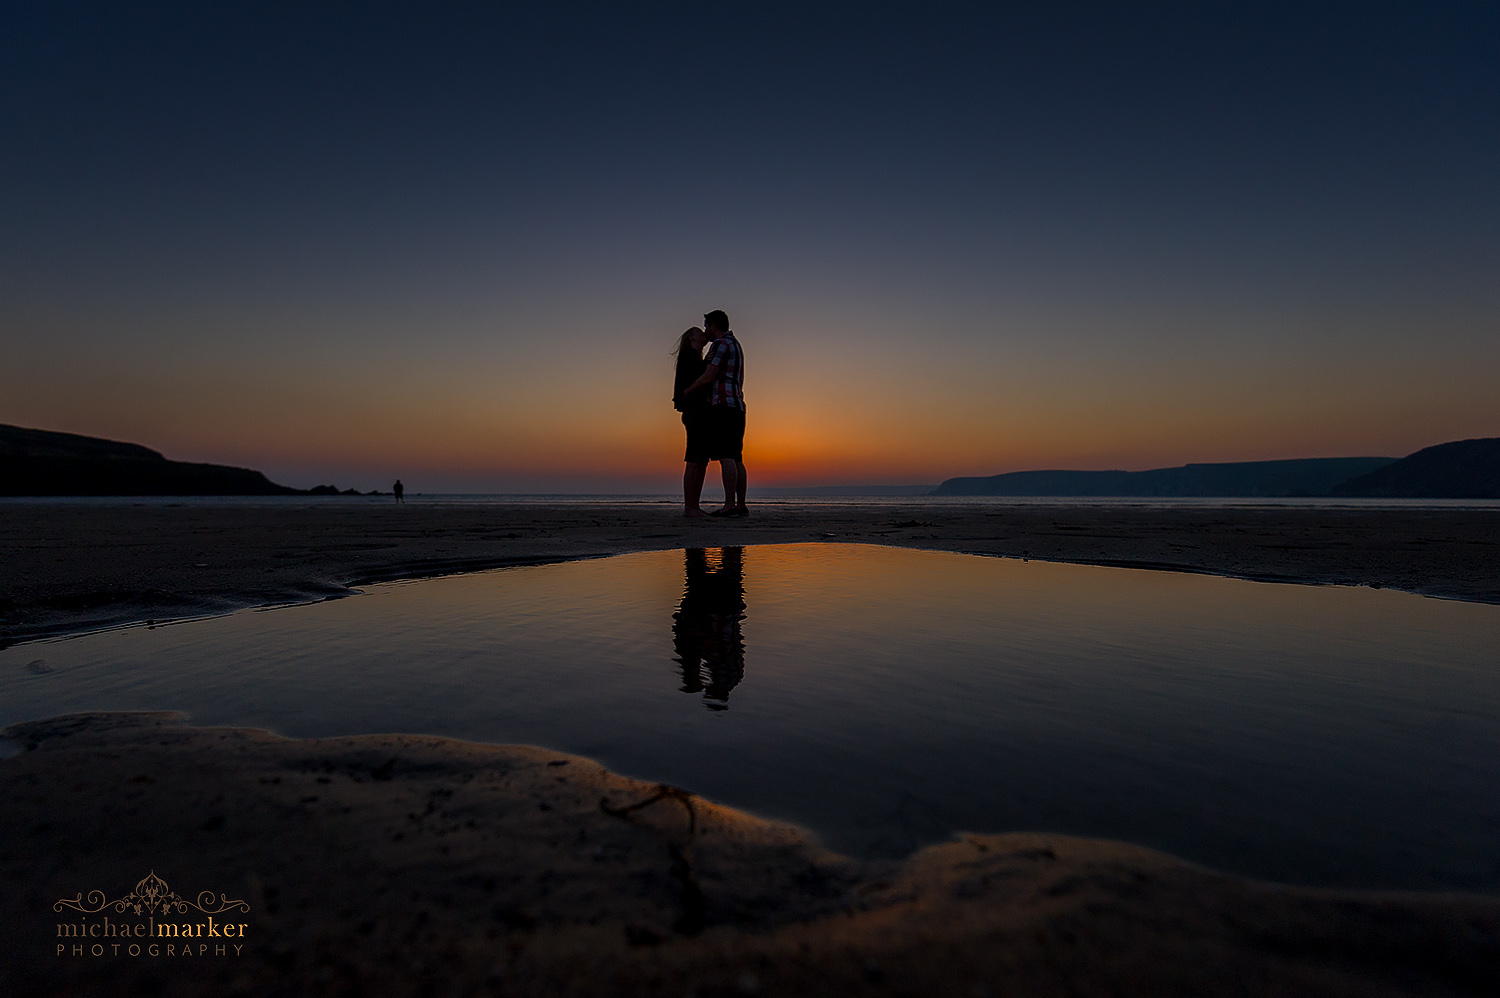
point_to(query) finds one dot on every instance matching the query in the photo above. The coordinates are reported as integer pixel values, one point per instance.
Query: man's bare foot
(724, 511)
(695, 513)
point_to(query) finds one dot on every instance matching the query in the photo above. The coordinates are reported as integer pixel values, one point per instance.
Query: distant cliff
(1462, 469)
(44, 463)
(1304, 477)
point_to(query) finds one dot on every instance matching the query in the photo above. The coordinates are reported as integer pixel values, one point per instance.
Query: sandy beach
(73, 566)
(402, 864)
(414, 865)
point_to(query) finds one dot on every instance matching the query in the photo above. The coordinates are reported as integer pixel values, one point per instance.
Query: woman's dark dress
(694, 408)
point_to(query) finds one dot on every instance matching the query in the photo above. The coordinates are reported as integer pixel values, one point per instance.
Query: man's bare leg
(740, 486)
(729, 471)
(692, 488)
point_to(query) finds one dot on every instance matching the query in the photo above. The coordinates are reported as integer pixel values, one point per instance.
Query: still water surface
(887, 698)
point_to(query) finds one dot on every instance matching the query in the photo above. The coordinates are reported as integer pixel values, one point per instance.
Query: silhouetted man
(399, 490)
(725, 379)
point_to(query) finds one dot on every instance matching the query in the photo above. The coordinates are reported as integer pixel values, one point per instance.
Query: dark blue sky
(1039, 235)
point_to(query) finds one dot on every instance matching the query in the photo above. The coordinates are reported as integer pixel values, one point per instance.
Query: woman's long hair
(685, 342)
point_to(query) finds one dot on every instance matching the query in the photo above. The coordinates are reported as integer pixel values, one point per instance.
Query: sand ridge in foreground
(399, 864)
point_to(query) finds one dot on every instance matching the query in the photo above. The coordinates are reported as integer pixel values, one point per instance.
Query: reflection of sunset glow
(829, 683)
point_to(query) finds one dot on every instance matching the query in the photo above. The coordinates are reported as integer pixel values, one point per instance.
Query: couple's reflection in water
(706, 635)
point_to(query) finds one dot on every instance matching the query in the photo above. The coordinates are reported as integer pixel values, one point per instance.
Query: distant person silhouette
(706, 633)
(725, 380)
(694, 409)
(399, 491)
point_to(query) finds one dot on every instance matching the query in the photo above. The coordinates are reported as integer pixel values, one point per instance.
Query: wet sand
(408, 865)
(70, 567)
(401, 864)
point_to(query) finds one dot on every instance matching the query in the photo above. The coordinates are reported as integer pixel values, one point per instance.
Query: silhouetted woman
(694, 409)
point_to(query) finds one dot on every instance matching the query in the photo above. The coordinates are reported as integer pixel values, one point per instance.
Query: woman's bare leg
(692, 488)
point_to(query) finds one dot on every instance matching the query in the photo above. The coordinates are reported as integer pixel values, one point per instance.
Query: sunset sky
(345, 242)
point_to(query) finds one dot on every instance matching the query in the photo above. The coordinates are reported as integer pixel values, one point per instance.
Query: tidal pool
(886, 698)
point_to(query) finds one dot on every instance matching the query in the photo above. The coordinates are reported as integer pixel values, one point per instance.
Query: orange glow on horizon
(492, 424)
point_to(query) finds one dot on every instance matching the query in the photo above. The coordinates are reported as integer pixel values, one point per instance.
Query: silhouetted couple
(709, 392)
(706, 631)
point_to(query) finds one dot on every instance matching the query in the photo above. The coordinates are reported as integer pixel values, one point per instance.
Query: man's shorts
(695, 421)
(725, 430)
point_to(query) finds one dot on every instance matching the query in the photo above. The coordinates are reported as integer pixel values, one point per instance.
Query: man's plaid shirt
(728, 387)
